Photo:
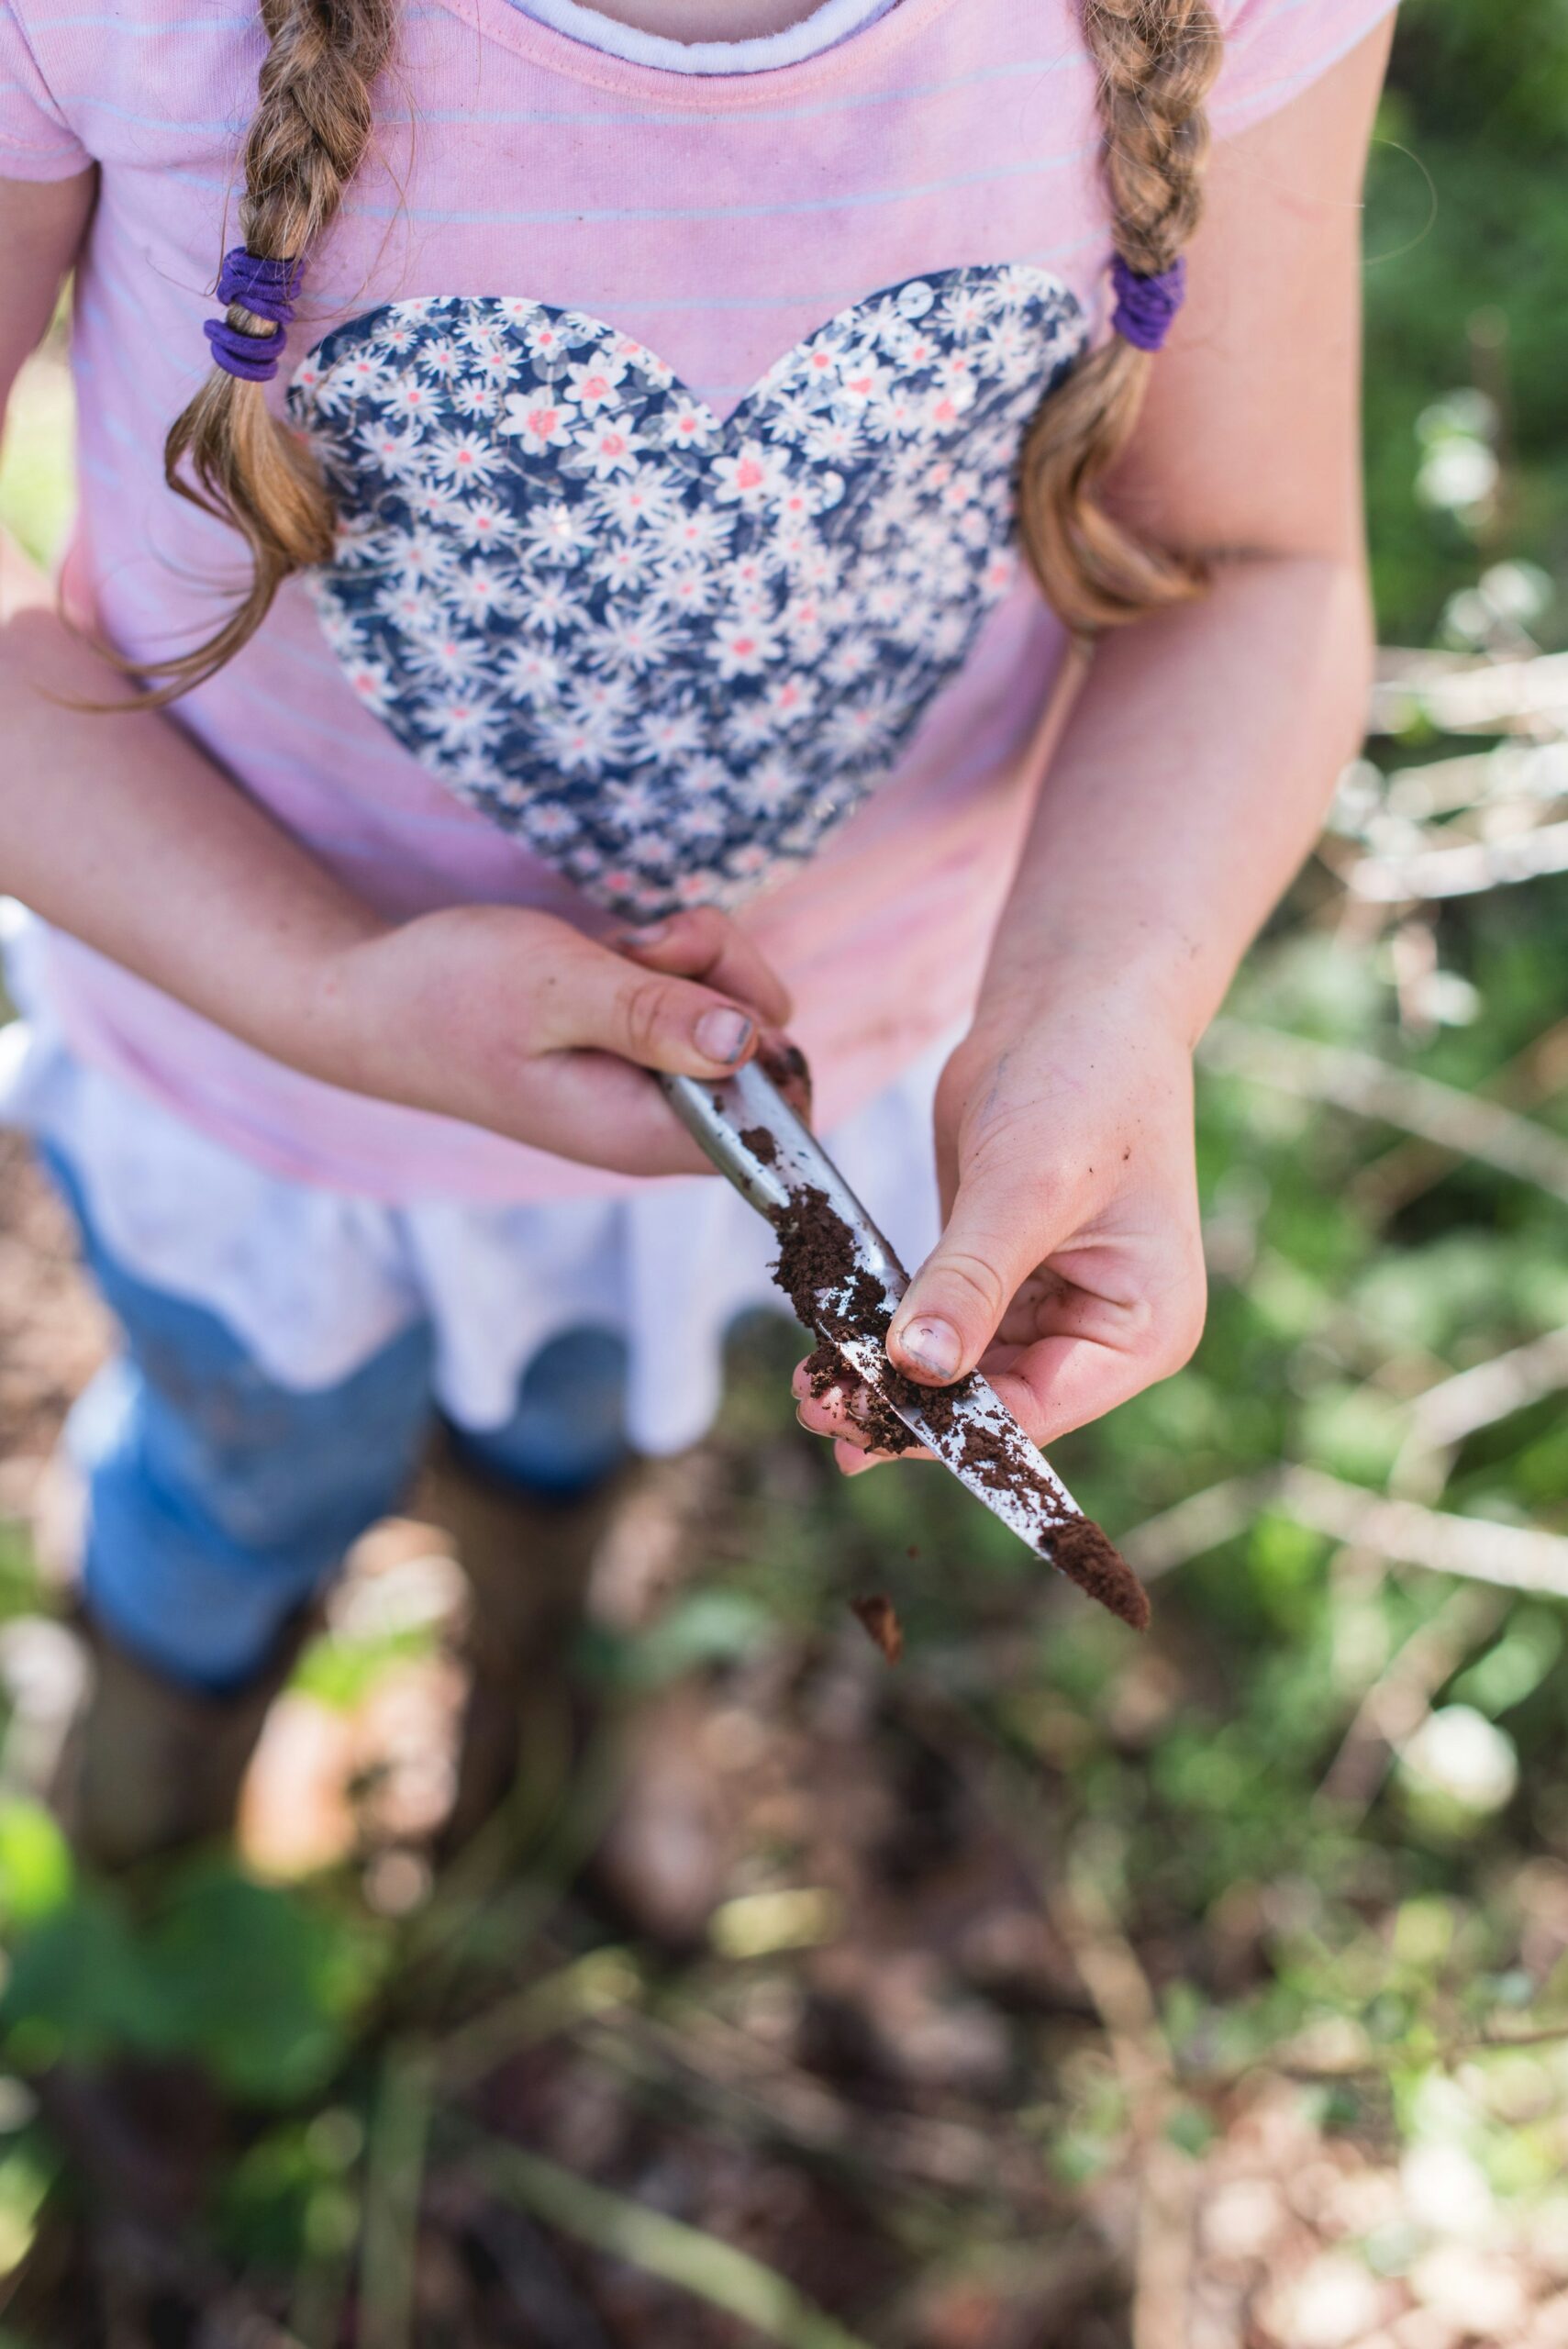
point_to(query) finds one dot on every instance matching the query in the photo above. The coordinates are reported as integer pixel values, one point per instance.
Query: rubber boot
(527, 1560)
(662, 1855)
(152, 1764)
(150, 1767)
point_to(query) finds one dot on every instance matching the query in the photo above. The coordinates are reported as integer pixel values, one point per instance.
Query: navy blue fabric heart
(671, 652)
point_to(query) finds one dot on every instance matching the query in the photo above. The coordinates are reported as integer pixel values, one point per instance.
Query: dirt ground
(53, 1333)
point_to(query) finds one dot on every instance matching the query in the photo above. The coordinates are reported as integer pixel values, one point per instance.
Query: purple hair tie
(266, 288)
(1145, 306)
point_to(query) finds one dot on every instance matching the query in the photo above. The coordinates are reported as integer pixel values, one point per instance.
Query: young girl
(640, 488)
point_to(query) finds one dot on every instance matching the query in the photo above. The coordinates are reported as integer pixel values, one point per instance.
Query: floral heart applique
(669, 653)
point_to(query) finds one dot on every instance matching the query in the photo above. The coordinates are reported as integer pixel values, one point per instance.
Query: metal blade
(1031, 1501)
(753, 1136)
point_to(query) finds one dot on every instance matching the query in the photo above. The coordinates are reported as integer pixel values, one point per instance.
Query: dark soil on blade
(819, 1271)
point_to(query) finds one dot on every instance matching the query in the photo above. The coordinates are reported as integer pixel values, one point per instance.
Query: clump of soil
(787, 1067)
(1086, 1557)
(819, 1271)
(762, 1143)
(785, 1063)
(817, 1260)
(880, 1618)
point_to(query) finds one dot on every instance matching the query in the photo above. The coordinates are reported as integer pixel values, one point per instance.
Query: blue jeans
(217, 1500)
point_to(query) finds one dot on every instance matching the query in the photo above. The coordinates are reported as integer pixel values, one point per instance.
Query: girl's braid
(1156, 62)
(306, 140)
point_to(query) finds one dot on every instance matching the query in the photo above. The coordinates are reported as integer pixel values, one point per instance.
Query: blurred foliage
(1300, 1895)
(255, 1982)
(36, 489)
(1467, 258)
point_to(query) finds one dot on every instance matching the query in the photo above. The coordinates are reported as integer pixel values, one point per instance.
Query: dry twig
(1445, 1415)
(1468, 696)
(1395, 1176)
(1461, 872)
(1399, 1699)
(1168, 2179)
(1370, 1087)
(679, 2255)
(1477, 1549)
(394, 2172)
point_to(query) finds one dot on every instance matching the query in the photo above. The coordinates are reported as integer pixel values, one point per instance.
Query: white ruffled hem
(313, 1283)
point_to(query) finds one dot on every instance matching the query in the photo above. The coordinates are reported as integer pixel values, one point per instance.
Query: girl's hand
(514, 1020)
(1070, 1267)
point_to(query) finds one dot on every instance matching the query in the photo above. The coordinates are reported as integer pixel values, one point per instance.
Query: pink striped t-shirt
(670, 419)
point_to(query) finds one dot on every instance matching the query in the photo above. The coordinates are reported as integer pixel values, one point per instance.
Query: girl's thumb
(953, 1305)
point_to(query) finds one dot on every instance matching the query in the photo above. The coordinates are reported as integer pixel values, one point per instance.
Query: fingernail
(934, 1345)
(651, 933)
(722, 1035)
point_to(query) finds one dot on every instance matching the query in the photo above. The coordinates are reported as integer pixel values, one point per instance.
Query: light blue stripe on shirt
(539, 117)
(577, 216)
(644, 118)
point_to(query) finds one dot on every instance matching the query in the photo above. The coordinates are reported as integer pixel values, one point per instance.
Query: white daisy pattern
(671, 653)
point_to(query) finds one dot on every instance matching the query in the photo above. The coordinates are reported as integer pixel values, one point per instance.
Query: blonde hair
(227, 453)
(1155, 61)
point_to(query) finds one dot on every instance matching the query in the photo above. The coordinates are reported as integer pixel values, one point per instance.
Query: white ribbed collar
(826, 25)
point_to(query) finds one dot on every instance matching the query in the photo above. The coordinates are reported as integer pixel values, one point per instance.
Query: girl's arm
(118, 829)
(1189, 784)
